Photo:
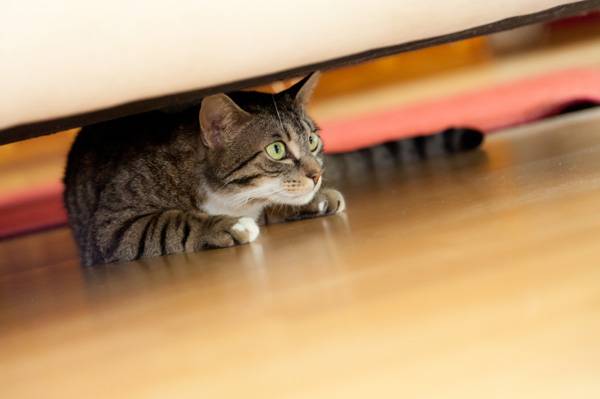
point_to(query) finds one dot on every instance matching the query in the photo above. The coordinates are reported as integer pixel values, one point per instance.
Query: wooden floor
(471, 277)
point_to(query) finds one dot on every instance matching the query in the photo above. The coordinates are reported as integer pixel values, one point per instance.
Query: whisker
(277, 112)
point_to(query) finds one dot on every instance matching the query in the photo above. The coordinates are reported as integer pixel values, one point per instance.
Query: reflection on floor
(453, 278)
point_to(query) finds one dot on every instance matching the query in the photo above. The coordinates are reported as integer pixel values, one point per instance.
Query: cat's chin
(296, 199)
(303, 199)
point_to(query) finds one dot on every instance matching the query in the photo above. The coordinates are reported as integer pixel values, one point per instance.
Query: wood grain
(467, 277)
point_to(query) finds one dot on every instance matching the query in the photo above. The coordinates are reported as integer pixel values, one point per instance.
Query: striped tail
(450, 141)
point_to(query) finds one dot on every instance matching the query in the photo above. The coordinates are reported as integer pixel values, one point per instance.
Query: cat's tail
(408, 150)
(449, 141)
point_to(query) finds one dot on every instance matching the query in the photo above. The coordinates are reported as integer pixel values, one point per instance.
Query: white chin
(298, 199)
(294, 200)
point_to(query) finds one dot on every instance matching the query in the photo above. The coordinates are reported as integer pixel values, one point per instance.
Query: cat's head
(262, 147)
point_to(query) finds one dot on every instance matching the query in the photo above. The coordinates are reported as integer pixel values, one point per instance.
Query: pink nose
(314, 176)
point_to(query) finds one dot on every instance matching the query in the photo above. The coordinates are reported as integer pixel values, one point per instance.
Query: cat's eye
(313, 142)
(276, 150)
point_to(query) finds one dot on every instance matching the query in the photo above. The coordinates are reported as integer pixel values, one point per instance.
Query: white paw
(342, 206)
(322, 205)
(247, 225)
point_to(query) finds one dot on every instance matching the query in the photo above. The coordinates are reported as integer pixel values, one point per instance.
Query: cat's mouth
(297, 198)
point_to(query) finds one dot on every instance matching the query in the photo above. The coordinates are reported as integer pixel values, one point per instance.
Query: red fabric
(488, 109)
(32, 210)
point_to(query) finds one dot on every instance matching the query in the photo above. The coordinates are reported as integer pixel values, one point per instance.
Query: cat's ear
(220, 119)
(303, 90)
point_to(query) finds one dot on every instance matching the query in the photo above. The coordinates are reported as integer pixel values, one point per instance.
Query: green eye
(276, 150)
(313, 142)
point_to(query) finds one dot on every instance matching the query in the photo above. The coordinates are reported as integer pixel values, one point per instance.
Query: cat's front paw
(326, 202)
(329, 201)
(226, 231)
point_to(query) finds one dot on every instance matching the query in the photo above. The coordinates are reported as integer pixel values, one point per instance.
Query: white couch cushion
(70, 57)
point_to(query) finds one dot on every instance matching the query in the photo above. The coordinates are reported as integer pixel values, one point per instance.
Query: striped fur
(402, 152)
(169, 182)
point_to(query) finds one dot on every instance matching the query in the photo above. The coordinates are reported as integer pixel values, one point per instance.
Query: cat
(161, 183)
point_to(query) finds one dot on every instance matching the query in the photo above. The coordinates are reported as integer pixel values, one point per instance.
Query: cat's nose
(314, 176)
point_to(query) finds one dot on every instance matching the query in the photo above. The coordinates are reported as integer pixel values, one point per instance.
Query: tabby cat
(169, 182)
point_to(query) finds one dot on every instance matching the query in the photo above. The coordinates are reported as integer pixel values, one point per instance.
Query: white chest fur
(216, 204)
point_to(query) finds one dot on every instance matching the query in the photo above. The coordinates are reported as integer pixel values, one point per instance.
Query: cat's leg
(326, 202)
(170, 232)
